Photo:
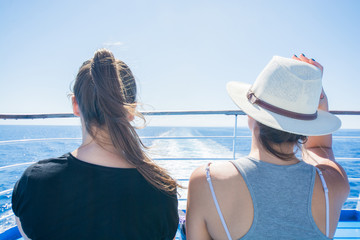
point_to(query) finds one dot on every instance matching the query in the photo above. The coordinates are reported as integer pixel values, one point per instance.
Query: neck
(259, 152)
(100, 151)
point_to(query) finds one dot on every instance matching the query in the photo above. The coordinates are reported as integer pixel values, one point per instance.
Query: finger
(322, 95)
(296, 57)
(316, 64)
(303, 58)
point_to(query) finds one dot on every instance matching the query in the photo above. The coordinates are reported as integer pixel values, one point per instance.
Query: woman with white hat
(271, 194)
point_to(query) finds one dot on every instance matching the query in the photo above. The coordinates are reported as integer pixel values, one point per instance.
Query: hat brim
(325, 123)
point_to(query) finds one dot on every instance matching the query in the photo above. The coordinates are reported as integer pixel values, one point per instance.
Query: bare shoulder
(336, 180)
(223, 175)
(335, 176)
(223, 171)
(218, 171)
(232, 196)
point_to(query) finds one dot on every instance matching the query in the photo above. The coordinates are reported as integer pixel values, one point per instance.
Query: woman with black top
(108, 188)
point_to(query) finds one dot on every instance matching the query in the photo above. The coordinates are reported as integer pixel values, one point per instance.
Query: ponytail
(105, 89)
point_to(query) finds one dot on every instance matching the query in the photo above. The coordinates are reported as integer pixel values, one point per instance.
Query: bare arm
(195, 219)
(318, 150)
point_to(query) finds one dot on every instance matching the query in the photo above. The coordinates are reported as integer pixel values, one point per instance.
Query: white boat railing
(234, 137)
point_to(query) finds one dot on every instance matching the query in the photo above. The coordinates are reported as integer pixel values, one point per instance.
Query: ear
(75, 106)
(251, 122)
(130, 117)
(131, 112)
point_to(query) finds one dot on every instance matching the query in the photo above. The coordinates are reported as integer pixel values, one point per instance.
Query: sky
(182, 53)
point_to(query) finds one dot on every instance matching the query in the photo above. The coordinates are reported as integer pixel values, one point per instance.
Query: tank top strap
(326, 192)
(208, 178)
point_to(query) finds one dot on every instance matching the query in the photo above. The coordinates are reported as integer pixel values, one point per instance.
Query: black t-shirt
(66, 198)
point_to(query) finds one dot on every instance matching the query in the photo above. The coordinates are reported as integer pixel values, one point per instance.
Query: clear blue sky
(181, 52)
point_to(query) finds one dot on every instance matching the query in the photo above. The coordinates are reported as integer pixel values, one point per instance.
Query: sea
(30, 143)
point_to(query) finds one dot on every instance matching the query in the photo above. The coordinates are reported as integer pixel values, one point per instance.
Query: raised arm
(318, 150)
(319, 147)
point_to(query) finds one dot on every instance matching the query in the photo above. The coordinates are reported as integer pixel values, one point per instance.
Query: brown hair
(269, 137)
(128, 81)
(105, 90)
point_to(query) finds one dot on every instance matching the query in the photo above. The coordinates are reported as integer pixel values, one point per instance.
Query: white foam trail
(196, 148)
(187, 148)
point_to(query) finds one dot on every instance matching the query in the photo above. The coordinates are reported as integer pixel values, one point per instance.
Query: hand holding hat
(307, 60)
(323, 102)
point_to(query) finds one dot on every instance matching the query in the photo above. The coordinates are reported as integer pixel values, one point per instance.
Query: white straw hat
(285, 96)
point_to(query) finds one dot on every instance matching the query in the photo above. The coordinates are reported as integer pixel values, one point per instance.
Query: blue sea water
(63, 139)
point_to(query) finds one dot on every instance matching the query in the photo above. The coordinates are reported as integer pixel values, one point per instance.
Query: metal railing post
(235, 133)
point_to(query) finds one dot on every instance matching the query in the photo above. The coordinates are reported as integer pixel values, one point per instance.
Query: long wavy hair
(105, 91)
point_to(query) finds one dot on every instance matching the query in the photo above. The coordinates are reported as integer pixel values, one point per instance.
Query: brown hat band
(301, 116)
